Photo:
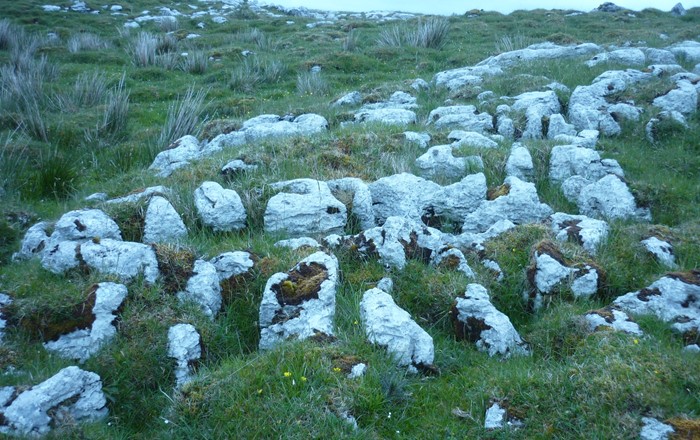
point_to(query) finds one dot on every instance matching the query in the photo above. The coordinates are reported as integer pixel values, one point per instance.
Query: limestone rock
(673, 298)
(688, 50)
(219, 208)
(398, 240)
(471, 139)
(203, 288)
(163, 224)
(495, 417)
(464, 76)
(662, 250)
(235, 167)
(350, 99)
(439, 161)
(140, 195)
(300, 303)
(401, 195)
(33, 243)
(611, 317)
(361, 199)
(61, 257)
(520, 205)
(84, 225)
(571, 160)
(550, 271)
(388, 325)
(71, 395)
(477, 320)
(519, 163)
(678, 10)
(588, 107)
(683, 99)
(305, 207)
(421, 139)
(273, 126)
(631, 56)
(387, 116)
(465, 117)
(126, 260)
(655, 430)
(589, 232)
(297, 243)
(185, 347)
(610, 198)
(406, 195)
(536, 106)
(180, 154)
(454, 258)
(540, 51)
(232, 264)
(558, 126)
(83, 343)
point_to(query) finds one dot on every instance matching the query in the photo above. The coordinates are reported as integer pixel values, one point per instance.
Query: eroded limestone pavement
(393, 213)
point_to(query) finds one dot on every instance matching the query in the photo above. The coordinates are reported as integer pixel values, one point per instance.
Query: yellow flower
(303, 378)
(356, 322)
(635, 340)
(287, 374)
(337, 370)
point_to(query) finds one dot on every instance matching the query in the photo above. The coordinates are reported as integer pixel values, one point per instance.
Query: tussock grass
(312, 83)
(115, 116)
(196, 62)
(430, 34)
(509, 43)
(184, 117)
(86, 41)
(143, 49)
(256, 71)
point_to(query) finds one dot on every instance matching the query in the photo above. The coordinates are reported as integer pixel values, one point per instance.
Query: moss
(414, 251)
(452, 262)
(469, 330)
(692, 277)
(498, 191)
(175, 265)
(686, 429)
(302, 283)
(130, 217)
(44, 324)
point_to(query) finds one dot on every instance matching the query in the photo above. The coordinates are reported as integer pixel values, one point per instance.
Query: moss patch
(686, 429)
(48, 324)
(498, 191)
(175, 265)
(302, 283)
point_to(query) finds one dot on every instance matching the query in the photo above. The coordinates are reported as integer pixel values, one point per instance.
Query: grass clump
(184, 117)
(86, 41)
(312, 83)
(256, 71)
(430, 34)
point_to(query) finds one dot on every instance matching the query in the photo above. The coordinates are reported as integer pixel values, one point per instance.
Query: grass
(88, 114)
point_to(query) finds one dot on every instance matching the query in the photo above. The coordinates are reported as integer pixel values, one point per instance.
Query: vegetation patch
(302, 284)
(175, 264)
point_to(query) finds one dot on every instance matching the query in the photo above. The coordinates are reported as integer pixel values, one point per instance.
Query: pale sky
(447, 7)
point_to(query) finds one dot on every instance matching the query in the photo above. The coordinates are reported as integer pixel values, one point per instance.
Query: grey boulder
(163, 224)
(304, 207)
(520, 205)
(184, 346)
(477, 320)
(300, 303)
(71, 395)
(389, 326)
(203, 288)
(219, 208)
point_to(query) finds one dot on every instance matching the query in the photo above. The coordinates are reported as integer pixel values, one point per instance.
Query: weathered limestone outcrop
(300, 303)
